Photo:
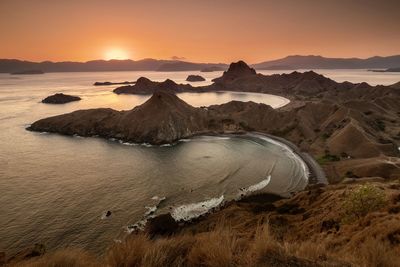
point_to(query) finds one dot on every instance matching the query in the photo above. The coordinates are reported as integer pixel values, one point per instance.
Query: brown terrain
(353, 130)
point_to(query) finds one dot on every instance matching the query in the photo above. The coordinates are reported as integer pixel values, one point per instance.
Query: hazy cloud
(177, 58)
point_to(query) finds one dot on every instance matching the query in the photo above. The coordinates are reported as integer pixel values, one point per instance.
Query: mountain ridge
(319, 62)
(148, 64)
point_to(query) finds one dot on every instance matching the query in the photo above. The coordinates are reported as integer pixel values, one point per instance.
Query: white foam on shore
(289, 151)
(255, 187)
(136, 226)
(166, 145)
(150, 210)
(194, 210)
(158, 198)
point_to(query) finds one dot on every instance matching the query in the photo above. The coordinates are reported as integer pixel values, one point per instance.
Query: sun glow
(116, 53)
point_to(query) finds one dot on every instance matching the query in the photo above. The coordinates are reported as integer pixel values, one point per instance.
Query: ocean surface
(56, 189)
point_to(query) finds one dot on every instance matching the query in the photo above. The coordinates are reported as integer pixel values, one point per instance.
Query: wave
(194, 210)
(150, 213)
(254, 188)
(158, 198)
(289, 151)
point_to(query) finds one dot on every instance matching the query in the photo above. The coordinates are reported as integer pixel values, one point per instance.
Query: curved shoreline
(316, 173)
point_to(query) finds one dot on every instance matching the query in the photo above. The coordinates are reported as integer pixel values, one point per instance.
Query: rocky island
(388, 70)
(195, 78)
(144, 86)
(111, 83)
(60, 98)
(27, 72)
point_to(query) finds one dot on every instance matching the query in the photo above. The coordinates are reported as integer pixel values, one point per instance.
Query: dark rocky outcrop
(162, 225)
(60, 99)
(111, 83)
(24, 72)
(145, 86)
(195, 78)
(236, 70)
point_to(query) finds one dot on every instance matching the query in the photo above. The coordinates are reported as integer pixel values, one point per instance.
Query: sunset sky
(202, 31)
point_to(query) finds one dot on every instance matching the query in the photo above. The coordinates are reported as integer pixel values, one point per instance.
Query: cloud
(177, 58)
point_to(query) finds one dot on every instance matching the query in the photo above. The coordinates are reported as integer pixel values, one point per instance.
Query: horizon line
(188, 61)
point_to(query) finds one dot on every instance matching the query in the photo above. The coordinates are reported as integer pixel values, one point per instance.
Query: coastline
(316, 173)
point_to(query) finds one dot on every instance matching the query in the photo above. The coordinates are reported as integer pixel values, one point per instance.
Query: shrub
(363, 200)
(327, 158)
(325, 136)
(380, 124)
(350, 174)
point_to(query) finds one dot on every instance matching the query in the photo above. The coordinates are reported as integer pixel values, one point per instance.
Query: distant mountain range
(16, 66)
(318, 62)
(290, 62)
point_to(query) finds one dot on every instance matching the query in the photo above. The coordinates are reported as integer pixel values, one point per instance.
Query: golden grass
(222, 247)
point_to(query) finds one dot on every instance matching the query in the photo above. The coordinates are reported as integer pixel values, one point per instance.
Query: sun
(116, 53)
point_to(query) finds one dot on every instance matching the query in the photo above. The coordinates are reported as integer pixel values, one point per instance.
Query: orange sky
(202, 31)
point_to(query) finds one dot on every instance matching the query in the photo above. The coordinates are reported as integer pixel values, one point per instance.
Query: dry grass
(375, 253)
(223, 247)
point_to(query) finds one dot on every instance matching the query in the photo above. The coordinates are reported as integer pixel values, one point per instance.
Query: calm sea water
(55, 189)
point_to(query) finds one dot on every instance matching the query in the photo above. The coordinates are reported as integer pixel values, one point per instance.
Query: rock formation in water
(236, 70)
(111, 83)
(195, 78)
(24, 72)
(164, 118)
(144, 86)
(60, 99)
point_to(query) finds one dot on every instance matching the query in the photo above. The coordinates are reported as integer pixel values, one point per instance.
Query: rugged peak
(143, 80)
(236, 70)
(165, 100)
(168, 85)
(240, 67)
